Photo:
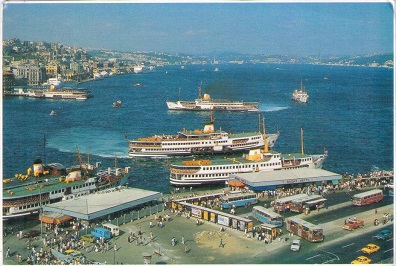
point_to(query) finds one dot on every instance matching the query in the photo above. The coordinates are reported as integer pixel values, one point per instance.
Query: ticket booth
(269, 229)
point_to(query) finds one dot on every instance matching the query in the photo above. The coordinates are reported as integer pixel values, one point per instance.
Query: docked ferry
(300, 95)
(44, 184)
(205, 103)
(206, 141)
(52, 93)
(215, 171)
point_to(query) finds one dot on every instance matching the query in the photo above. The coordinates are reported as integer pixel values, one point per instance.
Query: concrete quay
(203, 241)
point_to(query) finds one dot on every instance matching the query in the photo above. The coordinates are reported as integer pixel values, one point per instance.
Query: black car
(31, 233)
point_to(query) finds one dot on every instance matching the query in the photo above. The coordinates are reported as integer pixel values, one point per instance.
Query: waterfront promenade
(202, 243)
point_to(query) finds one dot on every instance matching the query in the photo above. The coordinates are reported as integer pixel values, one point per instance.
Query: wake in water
(272, 108)
(96, 141)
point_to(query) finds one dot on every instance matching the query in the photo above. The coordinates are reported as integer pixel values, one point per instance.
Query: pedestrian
(376, 210)
(8, 252)
(182, 240)
(221, 243)
(151, 224)
(186, 249)
(173, 241)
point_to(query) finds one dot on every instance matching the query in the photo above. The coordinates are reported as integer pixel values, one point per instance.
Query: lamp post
(115, 248)
(41, 215)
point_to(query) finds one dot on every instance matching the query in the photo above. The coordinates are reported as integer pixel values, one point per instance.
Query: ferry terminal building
(271, 180)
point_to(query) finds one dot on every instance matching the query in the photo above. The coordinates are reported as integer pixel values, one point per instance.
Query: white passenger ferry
(300, 95)
(205, 171)
(205, 103)
(52, 93)
(206, 141)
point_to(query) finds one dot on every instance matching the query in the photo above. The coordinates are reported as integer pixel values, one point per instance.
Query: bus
(311, 202)
(238, 199)
(266, 216)
(114, 229)
(283, 204)
(367, 197)
(304, 229)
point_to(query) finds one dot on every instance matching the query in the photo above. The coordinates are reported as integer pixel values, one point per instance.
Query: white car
(295, 245)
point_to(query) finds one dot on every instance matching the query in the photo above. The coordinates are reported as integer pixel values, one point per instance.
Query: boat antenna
(265, 137)
(211, 117)
(115, 160)
(179, 92)
(88, 157)
(302, 142)
(259, 120)
(200, 91)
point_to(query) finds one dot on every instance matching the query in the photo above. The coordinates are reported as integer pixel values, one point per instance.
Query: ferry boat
(205, 103)
(206, 141)
(52, 93)
(214, 171)
(25, 194)
(300, 95)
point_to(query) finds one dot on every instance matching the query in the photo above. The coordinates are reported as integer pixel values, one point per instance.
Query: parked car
(89, 238)
(370, 248)
(351, 224)
(31, 233)
(384, 234)
(361, 260)
(295, 245)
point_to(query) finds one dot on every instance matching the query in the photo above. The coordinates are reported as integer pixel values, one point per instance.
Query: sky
(201, 28)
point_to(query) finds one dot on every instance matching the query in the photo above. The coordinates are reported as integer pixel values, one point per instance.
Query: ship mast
(302, 142)
(265, 137)
(200, 91)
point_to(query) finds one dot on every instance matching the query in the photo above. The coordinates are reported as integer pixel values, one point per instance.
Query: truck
(351, 224)
(101, 232)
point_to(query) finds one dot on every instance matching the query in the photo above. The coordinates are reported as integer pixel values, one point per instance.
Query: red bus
(367, 197)
(311, 202)
(304, 229)
(283, 204)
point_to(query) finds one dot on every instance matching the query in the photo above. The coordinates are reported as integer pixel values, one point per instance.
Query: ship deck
(27, 188)
(221, 160)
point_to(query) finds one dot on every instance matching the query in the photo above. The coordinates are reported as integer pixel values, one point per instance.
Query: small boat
(300, 95)
(137, 85)
(53, 112)
(117, 103)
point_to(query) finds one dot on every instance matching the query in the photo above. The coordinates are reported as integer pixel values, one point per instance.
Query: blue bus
(266, 216)
(238, 199)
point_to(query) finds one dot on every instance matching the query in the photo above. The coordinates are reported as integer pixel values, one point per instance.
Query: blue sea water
(350, 114)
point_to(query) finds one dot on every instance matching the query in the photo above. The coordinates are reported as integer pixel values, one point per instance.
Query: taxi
(70, 251)
(370, 248)
(361, 260)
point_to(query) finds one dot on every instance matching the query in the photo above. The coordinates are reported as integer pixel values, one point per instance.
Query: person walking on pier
(221, 243)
